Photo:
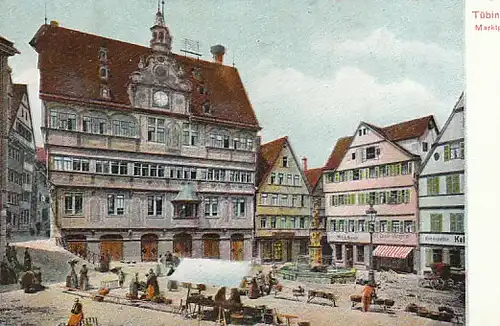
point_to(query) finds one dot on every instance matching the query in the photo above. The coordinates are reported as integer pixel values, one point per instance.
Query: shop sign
(443, 239)
(361, 237)
(409, 239)
(283, 234)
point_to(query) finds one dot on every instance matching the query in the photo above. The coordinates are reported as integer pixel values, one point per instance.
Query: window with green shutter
(453, 184)
(436, 222)
(433, 186)
(457, 222)
(447, 152)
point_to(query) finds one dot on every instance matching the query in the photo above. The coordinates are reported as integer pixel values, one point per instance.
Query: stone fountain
(312, 268)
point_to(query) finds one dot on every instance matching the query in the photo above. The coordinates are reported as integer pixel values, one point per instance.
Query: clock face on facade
(160, 99)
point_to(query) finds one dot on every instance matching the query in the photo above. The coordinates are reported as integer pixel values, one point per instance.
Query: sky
(313, 69)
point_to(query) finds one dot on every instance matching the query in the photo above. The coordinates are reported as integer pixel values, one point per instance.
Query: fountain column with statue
(316, 233)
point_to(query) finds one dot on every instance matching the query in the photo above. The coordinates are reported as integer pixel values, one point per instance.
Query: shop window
(360, 255)
(455, 258)
(437, 255)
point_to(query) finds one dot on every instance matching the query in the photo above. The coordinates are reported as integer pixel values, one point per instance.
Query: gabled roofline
(456, 108)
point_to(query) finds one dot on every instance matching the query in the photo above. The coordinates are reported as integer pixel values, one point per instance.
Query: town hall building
(149, 151)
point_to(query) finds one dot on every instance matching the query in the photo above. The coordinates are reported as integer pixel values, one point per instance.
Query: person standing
(84, 278)
(368, 295)
(76, 317)
(27, 260)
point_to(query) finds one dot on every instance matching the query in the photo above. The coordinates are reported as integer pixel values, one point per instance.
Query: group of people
(261, 284)
(10, 267)
(151, 288)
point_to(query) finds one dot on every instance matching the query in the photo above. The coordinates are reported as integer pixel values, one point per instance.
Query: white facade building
(441, 196)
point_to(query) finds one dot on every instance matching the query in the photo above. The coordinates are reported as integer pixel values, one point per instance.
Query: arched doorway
(237, 247)
(113, 244)
(183, 244)
(149, 247)
(77, 244)
(211, 246)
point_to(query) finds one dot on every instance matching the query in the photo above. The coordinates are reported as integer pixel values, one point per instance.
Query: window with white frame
(342, 226)
(352, 226)
(73, 204)
(285, 162)
(284, 200)
(396, 226)
(263, 199)
(333, 225)
(409, 226)
(190, 134)
(361, 226)
(239, 207)
(216, 175)
(116, 204)
(211, 207)
(272, 178)
(71, 164)
(454, 151)
(102, 167)
(156, 130)
(124, 128)
(383, 226)
(280, 178)
(119, 167)
(149, 170)
(155, 205)
(62, 120)
(95, 125)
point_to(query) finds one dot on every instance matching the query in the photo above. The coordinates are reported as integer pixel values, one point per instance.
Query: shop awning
(392, 252)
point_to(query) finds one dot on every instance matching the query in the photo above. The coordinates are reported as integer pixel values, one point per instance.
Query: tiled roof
(18, 90)
(267, 156)
(338, 153)
(69, 66)
(313, 176)
(406, 130)
(41, 154)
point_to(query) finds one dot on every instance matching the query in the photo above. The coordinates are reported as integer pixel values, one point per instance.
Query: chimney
(304, 163)
(218, 52)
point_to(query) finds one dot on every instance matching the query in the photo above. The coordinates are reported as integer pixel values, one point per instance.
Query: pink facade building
(377, 165)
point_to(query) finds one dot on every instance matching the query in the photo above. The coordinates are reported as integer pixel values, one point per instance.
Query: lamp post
(371, 213)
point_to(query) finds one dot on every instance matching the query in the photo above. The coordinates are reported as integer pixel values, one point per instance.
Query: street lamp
(371, 213)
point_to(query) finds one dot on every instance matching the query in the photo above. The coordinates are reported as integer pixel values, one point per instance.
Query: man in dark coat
(27, 260)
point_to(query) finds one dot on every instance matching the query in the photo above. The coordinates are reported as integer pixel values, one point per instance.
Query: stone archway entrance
(113, 244)
(211, 248)
(149, 247)
(237, 247)
(183, 244)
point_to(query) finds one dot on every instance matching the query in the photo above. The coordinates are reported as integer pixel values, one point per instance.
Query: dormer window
(103, 55)
(105, 92)
(206, 108)
(104, 73)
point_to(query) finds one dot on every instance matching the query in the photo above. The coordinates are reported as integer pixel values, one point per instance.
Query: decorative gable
(160, 83)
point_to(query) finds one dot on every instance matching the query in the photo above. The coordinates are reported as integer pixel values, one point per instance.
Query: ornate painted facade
(149, 151)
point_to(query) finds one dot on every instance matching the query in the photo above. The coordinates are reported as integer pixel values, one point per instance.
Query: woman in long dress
(76, 317)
